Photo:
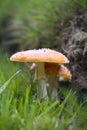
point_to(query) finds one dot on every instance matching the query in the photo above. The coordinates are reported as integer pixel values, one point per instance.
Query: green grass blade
(8, 81)
(63, 104)
(49, 108)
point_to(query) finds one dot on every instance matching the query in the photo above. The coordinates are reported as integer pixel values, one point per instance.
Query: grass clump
(20, 109)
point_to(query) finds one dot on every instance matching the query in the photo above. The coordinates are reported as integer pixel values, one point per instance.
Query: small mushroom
(42, 58)
(58, 69)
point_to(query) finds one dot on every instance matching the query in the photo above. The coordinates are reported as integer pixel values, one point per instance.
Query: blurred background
(35, 24)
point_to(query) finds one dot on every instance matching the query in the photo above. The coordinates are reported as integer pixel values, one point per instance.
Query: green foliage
(20, 109)
(38, 17)
(33, 13)
(27, 21)
(83, 3)
(7, 82)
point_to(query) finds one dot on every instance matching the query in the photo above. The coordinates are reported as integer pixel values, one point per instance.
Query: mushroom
(42, 58)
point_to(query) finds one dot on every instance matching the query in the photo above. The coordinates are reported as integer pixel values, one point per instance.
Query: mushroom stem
(42, 89)
(52, 87)
(39, 71)
(40, 77)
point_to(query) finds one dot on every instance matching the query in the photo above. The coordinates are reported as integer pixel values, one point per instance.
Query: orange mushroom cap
(64, 72)
(50, 58)
(41, 55)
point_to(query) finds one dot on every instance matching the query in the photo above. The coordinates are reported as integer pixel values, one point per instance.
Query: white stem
(42, 89)
(41, 78)
(39, 71)
(52, 88)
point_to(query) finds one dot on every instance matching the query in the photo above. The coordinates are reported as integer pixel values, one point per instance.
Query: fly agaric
(43, 58)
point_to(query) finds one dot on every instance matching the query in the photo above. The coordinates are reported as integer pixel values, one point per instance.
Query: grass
(21, 110)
